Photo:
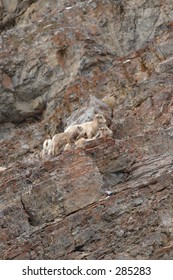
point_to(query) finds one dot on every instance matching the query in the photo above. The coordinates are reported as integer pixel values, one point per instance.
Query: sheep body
(47, 148)
(104, 132)
(89, 128)
(64, 138)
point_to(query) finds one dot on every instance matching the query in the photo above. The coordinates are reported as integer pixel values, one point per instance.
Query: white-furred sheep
(61, 139)
(89, 128)
(47, 148)
(104, 132)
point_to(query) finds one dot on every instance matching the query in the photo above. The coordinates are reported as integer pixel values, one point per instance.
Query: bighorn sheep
(104, 132)
(47, 148)
(61, 139)
(89, 128)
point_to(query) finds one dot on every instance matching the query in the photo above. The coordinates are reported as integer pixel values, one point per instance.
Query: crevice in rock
(28, 214)
(79, 248)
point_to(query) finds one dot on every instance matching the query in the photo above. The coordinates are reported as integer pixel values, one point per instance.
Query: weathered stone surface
(48, 58)
(85, 114)
(73, 175)
(113, 198)
(136, 214)
(10, 5)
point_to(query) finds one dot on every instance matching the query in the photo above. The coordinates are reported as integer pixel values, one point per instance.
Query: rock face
(60, 63)
(10, 5)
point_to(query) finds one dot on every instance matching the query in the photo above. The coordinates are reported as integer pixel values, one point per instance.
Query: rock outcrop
(60, 63)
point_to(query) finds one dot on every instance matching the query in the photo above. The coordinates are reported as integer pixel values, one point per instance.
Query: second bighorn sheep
(89, 128)
(104, 132)
(62, 139)
(47, 148)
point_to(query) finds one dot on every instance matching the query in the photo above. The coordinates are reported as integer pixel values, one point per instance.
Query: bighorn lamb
(104, 132)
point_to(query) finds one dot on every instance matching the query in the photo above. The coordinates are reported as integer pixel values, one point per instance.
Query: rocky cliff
(59, 60)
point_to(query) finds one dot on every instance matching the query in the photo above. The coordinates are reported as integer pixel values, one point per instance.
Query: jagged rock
(56, 59)
(136, 213)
